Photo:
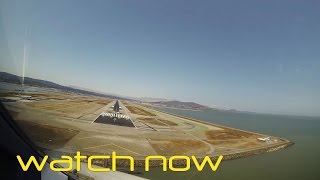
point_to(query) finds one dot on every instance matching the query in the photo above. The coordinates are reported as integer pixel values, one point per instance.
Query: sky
(261, 56)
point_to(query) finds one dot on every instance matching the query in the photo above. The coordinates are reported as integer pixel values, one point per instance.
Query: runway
(115, 118)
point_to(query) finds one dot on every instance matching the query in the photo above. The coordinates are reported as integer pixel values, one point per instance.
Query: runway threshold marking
(96, 118)
(132, 122)
(107, 107)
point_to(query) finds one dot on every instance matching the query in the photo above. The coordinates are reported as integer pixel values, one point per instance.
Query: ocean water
(300, 161)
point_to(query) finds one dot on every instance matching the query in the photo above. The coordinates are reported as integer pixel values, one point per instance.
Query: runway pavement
(115, 118)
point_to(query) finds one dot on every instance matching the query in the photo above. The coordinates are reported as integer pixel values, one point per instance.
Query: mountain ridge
(11, 78)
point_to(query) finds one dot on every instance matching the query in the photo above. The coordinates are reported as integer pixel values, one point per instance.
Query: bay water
(298, 162)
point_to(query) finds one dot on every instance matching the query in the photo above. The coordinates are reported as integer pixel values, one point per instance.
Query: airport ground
(63, 123)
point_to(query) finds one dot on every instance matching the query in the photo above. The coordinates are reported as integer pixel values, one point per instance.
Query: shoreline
(140, 161)
(228, 155)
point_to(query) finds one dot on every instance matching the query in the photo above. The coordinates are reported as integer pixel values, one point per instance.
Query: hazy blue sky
(254, 55)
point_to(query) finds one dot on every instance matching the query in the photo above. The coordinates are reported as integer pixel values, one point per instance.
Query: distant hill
(11, 78)
(181, 105)
(186, 105)
(150, 99)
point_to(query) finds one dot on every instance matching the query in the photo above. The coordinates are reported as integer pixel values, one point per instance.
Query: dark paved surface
(110, 120)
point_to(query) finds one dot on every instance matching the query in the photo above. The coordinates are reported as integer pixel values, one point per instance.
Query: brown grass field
(47, 134)
(157, 121)
(70, 108)
(139, 111)
(179, 147)
(226, 134)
